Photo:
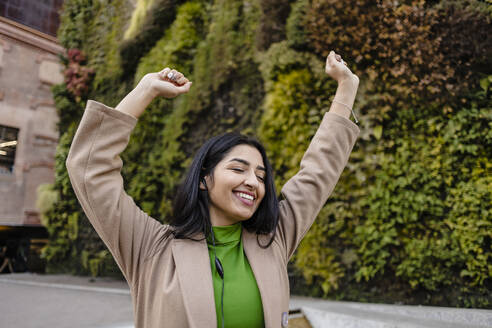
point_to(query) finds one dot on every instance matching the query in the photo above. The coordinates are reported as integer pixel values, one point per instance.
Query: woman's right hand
(150, 86)
(160, 85)
(337, 69)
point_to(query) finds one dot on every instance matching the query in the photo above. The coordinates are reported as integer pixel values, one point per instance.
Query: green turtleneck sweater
(242, 300)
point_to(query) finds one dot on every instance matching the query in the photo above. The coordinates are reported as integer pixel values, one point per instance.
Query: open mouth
(246, 199)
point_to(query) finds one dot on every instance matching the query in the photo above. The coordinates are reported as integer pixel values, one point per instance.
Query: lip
(246, 202)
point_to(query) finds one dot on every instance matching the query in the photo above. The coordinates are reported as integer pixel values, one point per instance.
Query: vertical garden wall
(410, 220)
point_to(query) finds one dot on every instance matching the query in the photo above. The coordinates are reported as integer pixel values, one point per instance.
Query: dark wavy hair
(191, 205)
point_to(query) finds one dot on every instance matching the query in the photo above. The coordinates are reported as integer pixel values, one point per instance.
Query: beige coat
(170, 279)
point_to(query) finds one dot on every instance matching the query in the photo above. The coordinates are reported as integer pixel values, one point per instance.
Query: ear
(206, 182)
(203, 184)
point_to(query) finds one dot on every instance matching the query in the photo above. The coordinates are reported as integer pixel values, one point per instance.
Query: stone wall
(29, 66)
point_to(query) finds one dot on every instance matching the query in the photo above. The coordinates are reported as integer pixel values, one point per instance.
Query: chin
(241, 217)
(247, 217)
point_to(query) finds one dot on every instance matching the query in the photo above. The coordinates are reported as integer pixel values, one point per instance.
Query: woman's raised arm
(94, 167)
(323, 162)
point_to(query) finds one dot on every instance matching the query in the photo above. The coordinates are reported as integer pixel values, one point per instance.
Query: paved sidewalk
(66, 281)
(62, 301)
(59, 301)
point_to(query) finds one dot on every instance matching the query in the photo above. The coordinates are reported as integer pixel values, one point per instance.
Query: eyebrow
(247, 163)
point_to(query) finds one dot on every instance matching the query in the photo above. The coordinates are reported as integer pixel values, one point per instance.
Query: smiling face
(237, 187)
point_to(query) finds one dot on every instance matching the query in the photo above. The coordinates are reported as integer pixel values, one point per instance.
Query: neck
(220, 220)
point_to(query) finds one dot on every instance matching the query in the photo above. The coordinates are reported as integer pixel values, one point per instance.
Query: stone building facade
(29, 66)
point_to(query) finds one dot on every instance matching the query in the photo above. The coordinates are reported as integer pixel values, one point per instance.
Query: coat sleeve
(304, 194)
(94, 167)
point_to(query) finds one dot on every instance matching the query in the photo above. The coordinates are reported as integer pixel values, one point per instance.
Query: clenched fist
(167, 83)
(338, 70)
(153, 85)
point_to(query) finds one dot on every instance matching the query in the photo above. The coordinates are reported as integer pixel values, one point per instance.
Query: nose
(251, 180)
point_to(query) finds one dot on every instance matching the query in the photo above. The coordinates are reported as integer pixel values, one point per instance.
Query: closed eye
(262, 179)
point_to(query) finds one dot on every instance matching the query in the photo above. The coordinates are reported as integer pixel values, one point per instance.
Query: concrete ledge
(30, 36)
(323, 313)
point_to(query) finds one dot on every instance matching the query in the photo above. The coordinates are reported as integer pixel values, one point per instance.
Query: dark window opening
(8, 145)
(40, 15)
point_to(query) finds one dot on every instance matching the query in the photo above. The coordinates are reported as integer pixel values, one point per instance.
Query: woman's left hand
(337, 68)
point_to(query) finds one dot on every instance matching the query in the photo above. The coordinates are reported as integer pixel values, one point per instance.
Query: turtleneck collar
(226, 234)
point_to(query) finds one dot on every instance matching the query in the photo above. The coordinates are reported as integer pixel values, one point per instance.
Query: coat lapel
(195, 278)
(265, 277)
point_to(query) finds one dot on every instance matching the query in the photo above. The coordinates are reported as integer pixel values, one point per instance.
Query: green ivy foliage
(160, 127)
(47, 196)
(177, 47)
(390, 230)
(141, 12)
(293, 110)
(70, 232)
(410, 219)
(94, 27)
(149, 21)
(296, 33)
(429, 213)
(74, 30)
(271, 28)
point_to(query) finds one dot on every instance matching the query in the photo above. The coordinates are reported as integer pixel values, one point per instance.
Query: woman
(226, 209)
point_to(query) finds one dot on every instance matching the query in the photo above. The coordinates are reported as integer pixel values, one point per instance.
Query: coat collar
(191, 257)
(259, 262)
(195, 277)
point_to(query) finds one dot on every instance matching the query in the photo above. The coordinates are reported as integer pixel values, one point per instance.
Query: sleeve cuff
(97, 106)
(344, 121)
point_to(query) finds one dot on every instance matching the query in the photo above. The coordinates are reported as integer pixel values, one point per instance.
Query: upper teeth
(240, 194)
